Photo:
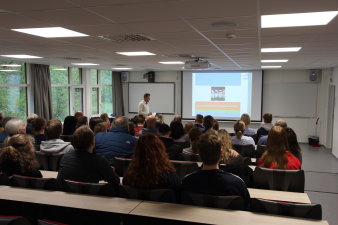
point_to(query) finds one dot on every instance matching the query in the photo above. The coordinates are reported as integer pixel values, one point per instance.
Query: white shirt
(143, 108)
(243, 141)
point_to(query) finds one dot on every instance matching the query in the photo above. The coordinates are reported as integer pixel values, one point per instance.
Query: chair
(49, 161)
(42, 159)
(13, 220)
(245, 150)
(281, 180)
(241, 170)
(309, 211)
(121, 165)
(49, 222)
(184, 168)
(158, 195)
(34, 182)
(104, 189)
(260, 150)
(224, 202)
(66, 138)
(4, 180)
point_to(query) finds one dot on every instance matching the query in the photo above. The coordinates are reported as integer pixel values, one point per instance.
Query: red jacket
(293, 162)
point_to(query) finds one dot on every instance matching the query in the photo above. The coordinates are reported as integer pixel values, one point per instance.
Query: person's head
(15, 126)
(105, 118)
(20, 148)
(164, 130)
(292, 141)
(208, 122)
(140, 119)
(239, 127)
(226, 144)
(151, 122)
(82, 120)
(246, 119)
(83, 139)
(5, 120)
(215, 125)
(194, 136)
(199, 119)
(150, 163)
(146, 97)
(281, 123)
(267, 118)
(31, 117)
(78, 114)
(100, 127)
(69, 125)
(177, 118)
(38, 125)
(176, 130)
(276, 146)
(210, 149)
(53, 129)
(159, 118)
(188, 126)
(93, 121)
(131, 128)
(121, 122)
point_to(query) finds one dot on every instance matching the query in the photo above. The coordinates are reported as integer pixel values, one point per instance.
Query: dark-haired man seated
(173, 149)
(211, 180)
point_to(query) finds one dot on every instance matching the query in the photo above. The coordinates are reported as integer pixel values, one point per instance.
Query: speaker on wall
(124, 76)
(151, 77)
(314, 75)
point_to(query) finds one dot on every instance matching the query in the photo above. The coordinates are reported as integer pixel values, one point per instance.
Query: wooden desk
(49, 174)
(279, 195)
(79, 201)
(214, 216)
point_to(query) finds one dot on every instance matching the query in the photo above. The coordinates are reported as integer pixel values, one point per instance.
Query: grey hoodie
(56, 146)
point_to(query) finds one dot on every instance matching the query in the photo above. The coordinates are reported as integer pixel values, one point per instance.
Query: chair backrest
(48, 161)
(104, 189)
(214, 201)
(42, 159)
(66, 138)
(34, 182)
(4, 180)
(158, 195)
(121, 165)
(282, 180)
(310, 211)
(245, 150)
(184, 168)
(13, 220)
(241, 170)
(49, 222)
(260, 150)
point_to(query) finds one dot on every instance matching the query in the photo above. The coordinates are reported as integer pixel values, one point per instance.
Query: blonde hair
(226, 145)
(239, 127)
(246, 119)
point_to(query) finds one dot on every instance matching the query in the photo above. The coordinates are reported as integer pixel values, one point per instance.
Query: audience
(100, 127)
(4, 134)
(264, 139)
(82, 165)
(159, 120)
(131, 128)
(105, 118)
(30, 119)
(199, 122)
(95, 120)
(208, 122)
(239, 138)
(229, 156)
(211, 180)
(177, 133)
(215, 125)
(69, 125)
(173, 149)
(266, 126)
(150, 166)
(117, 142)
(293, 143)
(78, 114)
(151, 126)
(82, 120)
(38, 128)
(246, 119)
(191, 153)
(54, 144)
(17, 157)
(139, 121)
(277, 155)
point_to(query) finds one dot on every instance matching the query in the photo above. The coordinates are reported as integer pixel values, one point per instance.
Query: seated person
(277, 155)
(208, 122)
(151, 126)
(95, 120)
(264, 139)
(82, 120)
(82, 164)
(150, 166)
(4, 134)
(266, 126)
(69, 125)
(38, 128)
(54, 144)
(229, 156)
(173, 149)
(139, 121)
(199, 122)
(105, 118)
(30, 119)
(100, 127)
(177, 133)
(246, 119)
(17, 157)
(211, 180)
(191, 153)
(239, 138)
(293, 143)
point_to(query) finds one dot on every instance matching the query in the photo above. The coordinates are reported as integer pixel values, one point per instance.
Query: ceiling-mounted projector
(196, 65)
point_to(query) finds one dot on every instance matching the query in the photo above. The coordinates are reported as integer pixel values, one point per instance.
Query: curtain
(41, 86)
(117, 95)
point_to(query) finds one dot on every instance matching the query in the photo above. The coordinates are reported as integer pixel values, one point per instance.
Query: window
(13, 89)
(106, 81)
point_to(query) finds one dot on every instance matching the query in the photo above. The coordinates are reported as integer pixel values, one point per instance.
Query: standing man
(143, 106)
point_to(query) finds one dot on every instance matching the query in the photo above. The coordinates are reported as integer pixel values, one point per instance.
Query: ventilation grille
(126, 38)
(71, 58)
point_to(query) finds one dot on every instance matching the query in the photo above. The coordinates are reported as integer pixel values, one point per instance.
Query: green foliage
(93, 76)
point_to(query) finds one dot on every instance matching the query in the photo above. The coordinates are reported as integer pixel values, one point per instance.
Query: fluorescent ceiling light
(297, 19)
(61, 69)
(172, 63)
(11, 65)
(51, 32)
(274, 60)
(141, 53)
(265, 67)
(289, 49)
(9, 70)
(22, 56)
(85, 64)
(122, 68)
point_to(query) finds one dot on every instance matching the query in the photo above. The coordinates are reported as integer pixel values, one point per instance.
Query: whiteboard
(162, 96)
(290, 99)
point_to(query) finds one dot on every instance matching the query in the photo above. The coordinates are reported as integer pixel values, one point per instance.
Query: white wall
(304, 127)
(335, 125)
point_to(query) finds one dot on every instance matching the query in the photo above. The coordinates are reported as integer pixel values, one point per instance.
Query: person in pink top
(277, 155)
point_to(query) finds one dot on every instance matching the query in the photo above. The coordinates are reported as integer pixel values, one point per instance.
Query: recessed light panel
(122, 68)
(10, 65)
(274, 60)
(297, 19)
(8, 70)
(140, 53)
(51, 32)
(172, 63)
(85, 64)
(289, 49)
(271, 67)
(61, 69)
(22, 56)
